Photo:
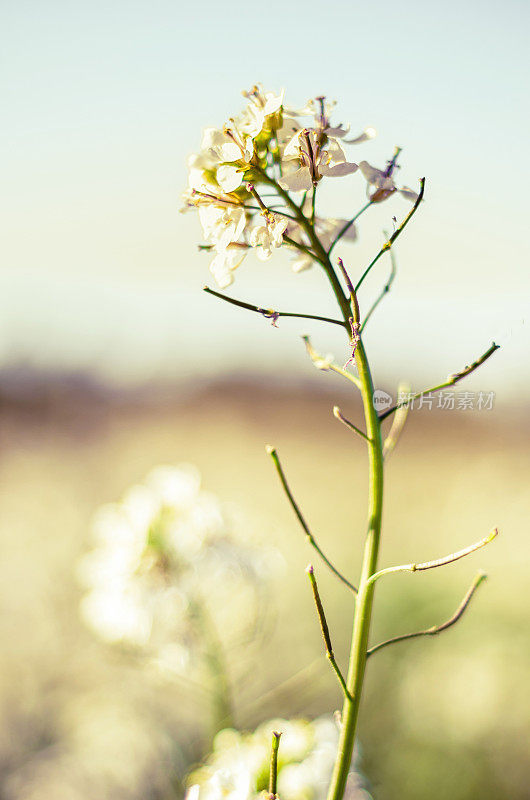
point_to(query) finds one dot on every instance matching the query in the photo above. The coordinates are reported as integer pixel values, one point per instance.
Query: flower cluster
(273, 148)
(167, 570)
(238, 768)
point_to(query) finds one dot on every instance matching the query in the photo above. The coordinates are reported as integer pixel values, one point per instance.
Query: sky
(104, 101)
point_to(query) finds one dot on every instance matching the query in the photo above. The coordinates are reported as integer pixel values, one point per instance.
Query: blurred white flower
(238, 767)
(165, 566)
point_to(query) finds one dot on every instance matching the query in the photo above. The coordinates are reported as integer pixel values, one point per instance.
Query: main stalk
(364, 601)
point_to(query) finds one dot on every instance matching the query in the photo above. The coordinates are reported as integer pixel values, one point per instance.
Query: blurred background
(113, 361)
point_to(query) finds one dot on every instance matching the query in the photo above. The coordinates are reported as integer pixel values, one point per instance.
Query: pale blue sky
(104, 100)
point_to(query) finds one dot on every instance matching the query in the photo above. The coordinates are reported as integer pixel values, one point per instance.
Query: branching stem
(451, 380)
(439, 562)
(326, 364)
(270, 313)
(340, 416)
(386, 288)
(395, 235)
(481, 576)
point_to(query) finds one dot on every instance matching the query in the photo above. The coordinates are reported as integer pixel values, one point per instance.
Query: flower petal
(298, 181)
(338, 170)
(301, 263)
(371, 174)
(367, 134)
(228, 178)
(273, 103)
(228, 151)
(336, 152)
(337, 133)
(409, 194)
(292, 148)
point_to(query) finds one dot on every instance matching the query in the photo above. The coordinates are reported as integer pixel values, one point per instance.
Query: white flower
(310, 161)
(222, 224)
(382, 181)
(268, 236)
(162, 557)
(262, 105)
(201, 169)
(225, 262)
(227, 144)
(320, 109)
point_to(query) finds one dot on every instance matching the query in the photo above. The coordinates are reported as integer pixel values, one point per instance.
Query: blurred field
(444, 717)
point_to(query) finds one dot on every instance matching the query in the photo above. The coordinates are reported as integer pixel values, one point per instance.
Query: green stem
(273, 769)
(364, 603)
(451, 380)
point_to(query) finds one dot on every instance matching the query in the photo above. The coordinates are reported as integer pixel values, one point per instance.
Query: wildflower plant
(255, 185)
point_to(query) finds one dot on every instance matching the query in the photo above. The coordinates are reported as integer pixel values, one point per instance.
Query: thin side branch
(398, 423)
(395, 235)
(451, 380)
(327, 365)
(345, 228)
(386, 288)
(270, 313)
(311, 539)
(439, 562)
(340, 416)
(481, 576)
(325, 629)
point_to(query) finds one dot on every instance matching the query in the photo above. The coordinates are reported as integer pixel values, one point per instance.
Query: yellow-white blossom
(265, 152)
(222, 225)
